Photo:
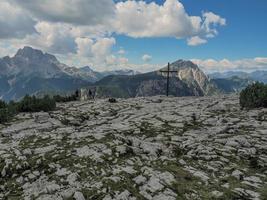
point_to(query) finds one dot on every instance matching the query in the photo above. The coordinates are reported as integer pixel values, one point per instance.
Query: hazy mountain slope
(233, 84)
(36, 85)
(259, 75)
(228, 74)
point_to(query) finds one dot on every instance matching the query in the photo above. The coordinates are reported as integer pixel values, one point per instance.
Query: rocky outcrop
(188, 80)
(158, 87)
(190, 73)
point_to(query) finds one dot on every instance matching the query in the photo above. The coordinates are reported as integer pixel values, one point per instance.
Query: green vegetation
(254, 96)
(27, 104)
(32, 104)
(7, 111)
(73, 97)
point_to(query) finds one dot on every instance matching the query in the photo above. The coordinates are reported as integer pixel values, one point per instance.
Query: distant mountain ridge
(232, 84)
(189, 80)
(259, 75)
(31, 71)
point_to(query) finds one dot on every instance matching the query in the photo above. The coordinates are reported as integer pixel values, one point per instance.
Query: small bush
(112, 100)
(2, 104)
(254, 96)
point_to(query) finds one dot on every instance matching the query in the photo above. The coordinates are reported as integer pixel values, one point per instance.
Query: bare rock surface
(141, 148)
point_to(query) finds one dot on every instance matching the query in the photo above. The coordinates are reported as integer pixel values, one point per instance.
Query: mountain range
(259, 75)
(31, 71)
(188, 80)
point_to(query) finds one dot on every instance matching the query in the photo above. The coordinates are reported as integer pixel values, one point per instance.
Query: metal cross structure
(168, 77)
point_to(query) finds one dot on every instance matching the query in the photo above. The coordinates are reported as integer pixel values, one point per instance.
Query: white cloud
(55, 38)
(146, 58)
(103, 46)
(167, 20)
(210, 21)
(250, 64)
(78, 12)
(112, 60)
(84, 46)
(83, 29)
(96, 51)
(121, 51)
(14, 22)
(194, 41)
(261, 60)
(99, 18)
(98, 48)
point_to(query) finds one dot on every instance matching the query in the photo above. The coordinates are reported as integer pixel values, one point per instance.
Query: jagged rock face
(31, 71)
(190, 73)
(158, 87)
(31, 62)
(151, 87)
(83, 73)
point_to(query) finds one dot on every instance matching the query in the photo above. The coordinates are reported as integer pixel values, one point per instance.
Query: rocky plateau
(140, 148)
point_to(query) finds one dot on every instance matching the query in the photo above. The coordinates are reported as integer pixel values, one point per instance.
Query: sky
(217, 35)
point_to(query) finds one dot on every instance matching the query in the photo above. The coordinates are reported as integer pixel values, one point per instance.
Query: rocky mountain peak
(182, 64)
(192, 75)
(35, 55)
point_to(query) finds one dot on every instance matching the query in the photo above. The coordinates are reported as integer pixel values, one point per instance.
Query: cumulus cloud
(55, 38)
(78, 12)
(112, 60)
(250, 64)
(14, 22)
(194, 41)
(210, 21)
(167, 20)
(97, 48)
(146, 58)
(261, 60)
(84, 29)
(121, 51)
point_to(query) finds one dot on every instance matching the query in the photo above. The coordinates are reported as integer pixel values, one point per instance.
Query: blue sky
(244, 36)
(142, 35)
